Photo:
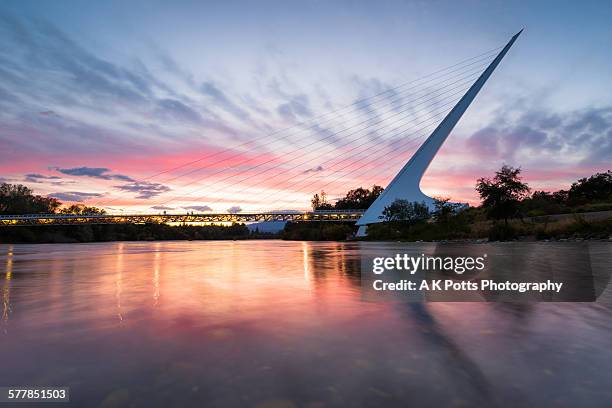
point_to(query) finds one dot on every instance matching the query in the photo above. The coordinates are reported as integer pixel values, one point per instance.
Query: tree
(319, 202)
(80, 209)
(501, 196)
(596, 187)
(542, 202)
(375, 192)
(19, 199)
(444, 210)
(405, 212)
(359, 198)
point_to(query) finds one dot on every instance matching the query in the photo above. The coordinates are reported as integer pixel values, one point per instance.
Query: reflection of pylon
(6, 298)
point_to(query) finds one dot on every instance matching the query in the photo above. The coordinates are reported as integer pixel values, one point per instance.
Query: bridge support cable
(300, 150)
(382, 171)
(452, 86)
(391, 165)
(330, 167)
(301, 163)
(346, 170)
(335, 146)
(317, 120)
(371, 110)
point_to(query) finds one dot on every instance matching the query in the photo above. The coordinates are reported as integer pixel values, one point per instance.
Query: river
(279, 324)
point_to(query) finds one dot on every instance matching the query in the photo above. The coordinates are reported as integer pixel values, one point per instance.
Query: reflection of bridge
(69, 219)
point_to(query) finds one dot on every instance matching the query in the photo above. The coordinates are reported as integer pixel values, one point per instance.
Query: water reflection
(156, 268)
(271, 323)
(119, 279)
(305, 246)
(6, 287)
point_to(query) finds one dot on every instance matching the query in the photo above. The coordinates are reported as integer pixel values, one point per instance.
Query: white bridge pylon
(406, 184)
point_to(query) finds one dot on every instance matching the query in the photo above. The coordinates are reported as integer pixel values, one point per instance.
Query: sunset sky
(256, 105)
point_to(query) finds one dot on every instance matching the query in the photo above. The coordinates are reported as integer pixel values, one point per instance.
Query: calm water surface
(278, 324)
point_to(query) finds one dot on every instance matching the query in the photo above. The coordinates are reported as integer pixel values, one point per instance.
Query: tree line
(357, 199)
(17, 199)
(503, 197)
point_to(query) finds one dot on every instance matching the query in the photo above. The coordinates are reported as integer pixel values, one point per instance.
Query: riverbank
(126, 232)
(469, 227)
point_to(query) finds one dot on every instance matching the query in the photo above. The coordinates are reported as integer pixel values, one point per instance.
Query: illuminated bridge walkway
(68, 219)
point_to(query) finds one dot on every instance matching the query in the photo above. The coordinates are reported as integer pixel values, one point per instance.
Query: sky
(255, 106)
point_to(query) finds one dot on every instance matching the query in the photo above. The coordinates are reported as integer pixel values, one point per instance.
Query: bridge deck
(69, 219)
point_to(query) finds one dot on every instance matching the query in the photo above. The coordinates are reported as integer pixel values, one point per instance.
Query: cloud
(575, 136)
(297, 108)
(171, 66)
(211, 90)
(48, 113)
(95, 172)
(172, 108)
(374, 94)
(48, 49)
(234, 209)
(39, 178)
(485, 141)
(144, 189)
(313, 170)
(201, 208)
(162, 207)
(75, 196)
(101, 98)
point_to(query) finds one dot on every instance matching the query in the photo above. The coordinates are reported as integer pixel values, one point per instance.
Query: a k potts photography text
(406, 264)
